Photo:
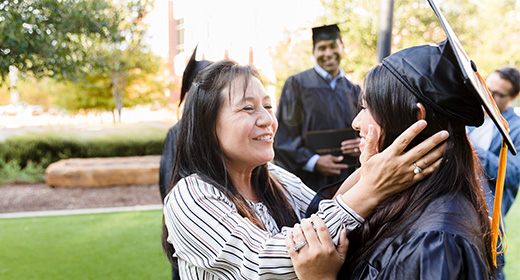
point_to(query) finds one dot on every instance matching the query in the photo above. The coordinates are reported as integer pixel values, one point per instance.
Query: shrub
(44, 149)
(12, 172)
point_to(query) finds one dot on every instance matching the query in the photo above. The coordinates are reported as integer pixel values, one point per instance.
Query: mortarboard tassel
(496, 221)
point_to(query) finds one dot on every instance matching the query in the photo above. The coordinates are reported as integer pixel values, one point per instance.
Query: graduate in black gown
(166, 166)
(439, 228)
(168, 154)
(318, 99)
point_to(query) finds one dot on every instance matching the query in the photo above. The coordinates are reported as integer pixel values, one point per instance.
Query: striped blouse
(213, 241)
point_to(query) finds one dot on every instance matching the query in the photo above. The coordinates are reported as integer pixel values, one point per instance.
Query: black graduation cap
(190, 72)
(325, 32)
(442, 76)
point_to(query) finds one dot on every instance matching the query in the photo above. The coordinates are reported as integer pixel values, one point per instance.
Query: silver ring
(356, 150)
(417, 169)
(300, 245)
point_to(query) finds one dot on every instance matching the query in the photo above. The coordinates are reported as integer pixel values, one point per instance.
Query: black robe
(443, 243)
(166, 170)
(308, 103)
(167, 157)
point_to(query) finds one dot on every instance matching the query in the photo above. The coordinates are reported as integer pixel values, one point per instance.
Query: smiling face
(328, 54)
(246, 125)
(363, 119)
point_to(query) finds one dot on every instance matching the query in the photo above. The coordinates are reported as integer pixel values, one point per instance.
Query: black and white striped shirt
(213, 241)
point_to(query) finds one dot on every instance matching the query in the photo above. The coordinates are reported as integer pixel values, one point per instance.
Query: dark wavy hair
(199, 152)
(512, 75)
(394, 108)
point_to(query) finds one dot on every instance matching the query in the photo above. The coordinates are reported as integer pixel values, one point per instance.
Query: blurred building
(242, 30)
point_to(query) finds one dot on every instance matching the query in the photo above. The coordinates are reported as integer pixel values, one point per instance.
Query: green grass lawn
(512, 268)
(100, 246)
(119, 246)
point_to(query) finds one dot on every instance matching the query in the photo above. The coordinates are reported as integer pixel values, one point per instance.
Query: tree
(415, 23)
(290, 57)
(120, 60)
(52, 37)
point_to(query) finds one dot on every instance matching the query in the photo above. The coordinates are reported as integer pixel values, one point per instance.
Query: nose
(356, 122)
(265, 118)
(328, 52)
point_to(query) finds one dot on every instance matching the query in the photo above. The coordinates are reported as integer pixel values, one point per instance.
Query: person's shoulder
(513, 118)
(451, 214)
(304, 74)
(192, 187)
(350, 84)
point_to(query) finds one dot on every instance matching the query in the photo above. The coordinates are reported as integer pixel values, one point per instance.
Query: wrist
(360, 200)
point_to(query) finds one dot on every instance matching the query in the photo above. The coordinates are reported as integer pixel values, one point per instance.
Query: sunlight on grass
(101, 246)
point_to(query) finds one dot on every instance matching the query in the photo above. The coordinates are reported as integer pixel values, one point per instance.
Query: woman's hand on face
(318, 258)
(392, 171)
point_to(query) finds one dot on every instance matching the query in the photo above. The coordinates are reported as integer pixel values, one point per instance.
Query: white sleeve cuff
(309, 166)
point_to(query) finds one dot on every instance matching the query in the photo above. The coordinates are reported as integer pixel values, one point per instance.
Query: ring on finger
(356, 150)
(417, 169)
(300, 245)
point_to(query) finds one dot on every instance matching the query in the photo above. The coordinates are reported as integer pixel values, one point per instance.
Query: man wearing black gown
(318, 99)
(169, 147)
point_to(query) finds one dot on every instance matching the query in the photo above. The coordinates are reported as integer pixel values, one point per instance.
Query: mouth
(266, 137)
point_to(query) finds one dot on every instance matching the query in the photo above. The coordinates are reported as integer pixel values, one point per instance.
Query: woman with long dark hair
(225, 213)
(438, 228)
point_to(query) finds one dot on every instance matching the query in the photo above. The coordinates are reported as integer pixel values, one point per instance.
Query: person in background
(504, 86)
(439, 228)
(166, 165)
(228, 204)
(318, 99)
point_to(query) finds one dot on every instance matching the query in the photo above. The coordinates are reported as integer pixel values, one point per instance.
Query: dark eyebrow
(249, 98)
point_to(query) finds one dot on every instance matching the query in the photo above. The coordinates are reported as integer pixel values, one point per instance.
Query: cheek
(275, 123)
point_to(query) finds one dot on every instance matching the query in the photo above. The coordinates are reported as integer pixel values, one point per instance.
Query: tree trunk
(119, 81)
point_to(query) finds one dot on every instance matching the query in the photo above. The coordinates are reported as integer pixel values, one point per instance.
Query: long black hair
(199, 152)
(394, 108)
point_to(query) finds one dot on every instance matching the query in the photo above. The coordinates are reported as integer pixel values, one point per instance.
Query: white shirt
(481, 136)
(213, 241)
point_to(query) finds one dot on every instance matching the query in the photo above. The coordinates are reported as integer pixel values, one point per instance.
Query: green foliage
(290, 57)
(93, 93)
(44, 149)
(101, 246)
(12, 172)
(5, 95)
(52, 37)
(96, 44)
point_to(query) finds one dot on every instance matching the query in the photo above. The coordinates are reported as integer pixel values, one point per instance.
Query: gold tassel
(496, 223)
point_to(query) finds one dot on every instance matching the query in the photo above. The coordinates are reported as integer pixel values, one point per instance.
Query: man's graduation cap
(325, 32)
(442, 76)
(190, 72)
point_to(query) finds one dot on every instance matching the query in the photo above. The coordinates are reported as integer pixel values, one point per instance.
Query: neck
(505, 109)
(335, 73)
(242, 180)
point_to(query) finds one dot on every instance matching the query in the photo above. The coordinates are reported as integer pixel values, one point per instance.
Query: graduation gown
(167, 157)
(443, 243)
(308, 103)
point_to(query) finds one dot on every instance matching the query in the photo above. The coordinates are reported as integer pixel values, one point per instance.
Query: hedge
(45, 149)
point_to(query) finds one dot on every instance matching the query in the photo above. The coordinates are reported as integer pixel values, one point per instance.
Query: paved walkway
(80, 211)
